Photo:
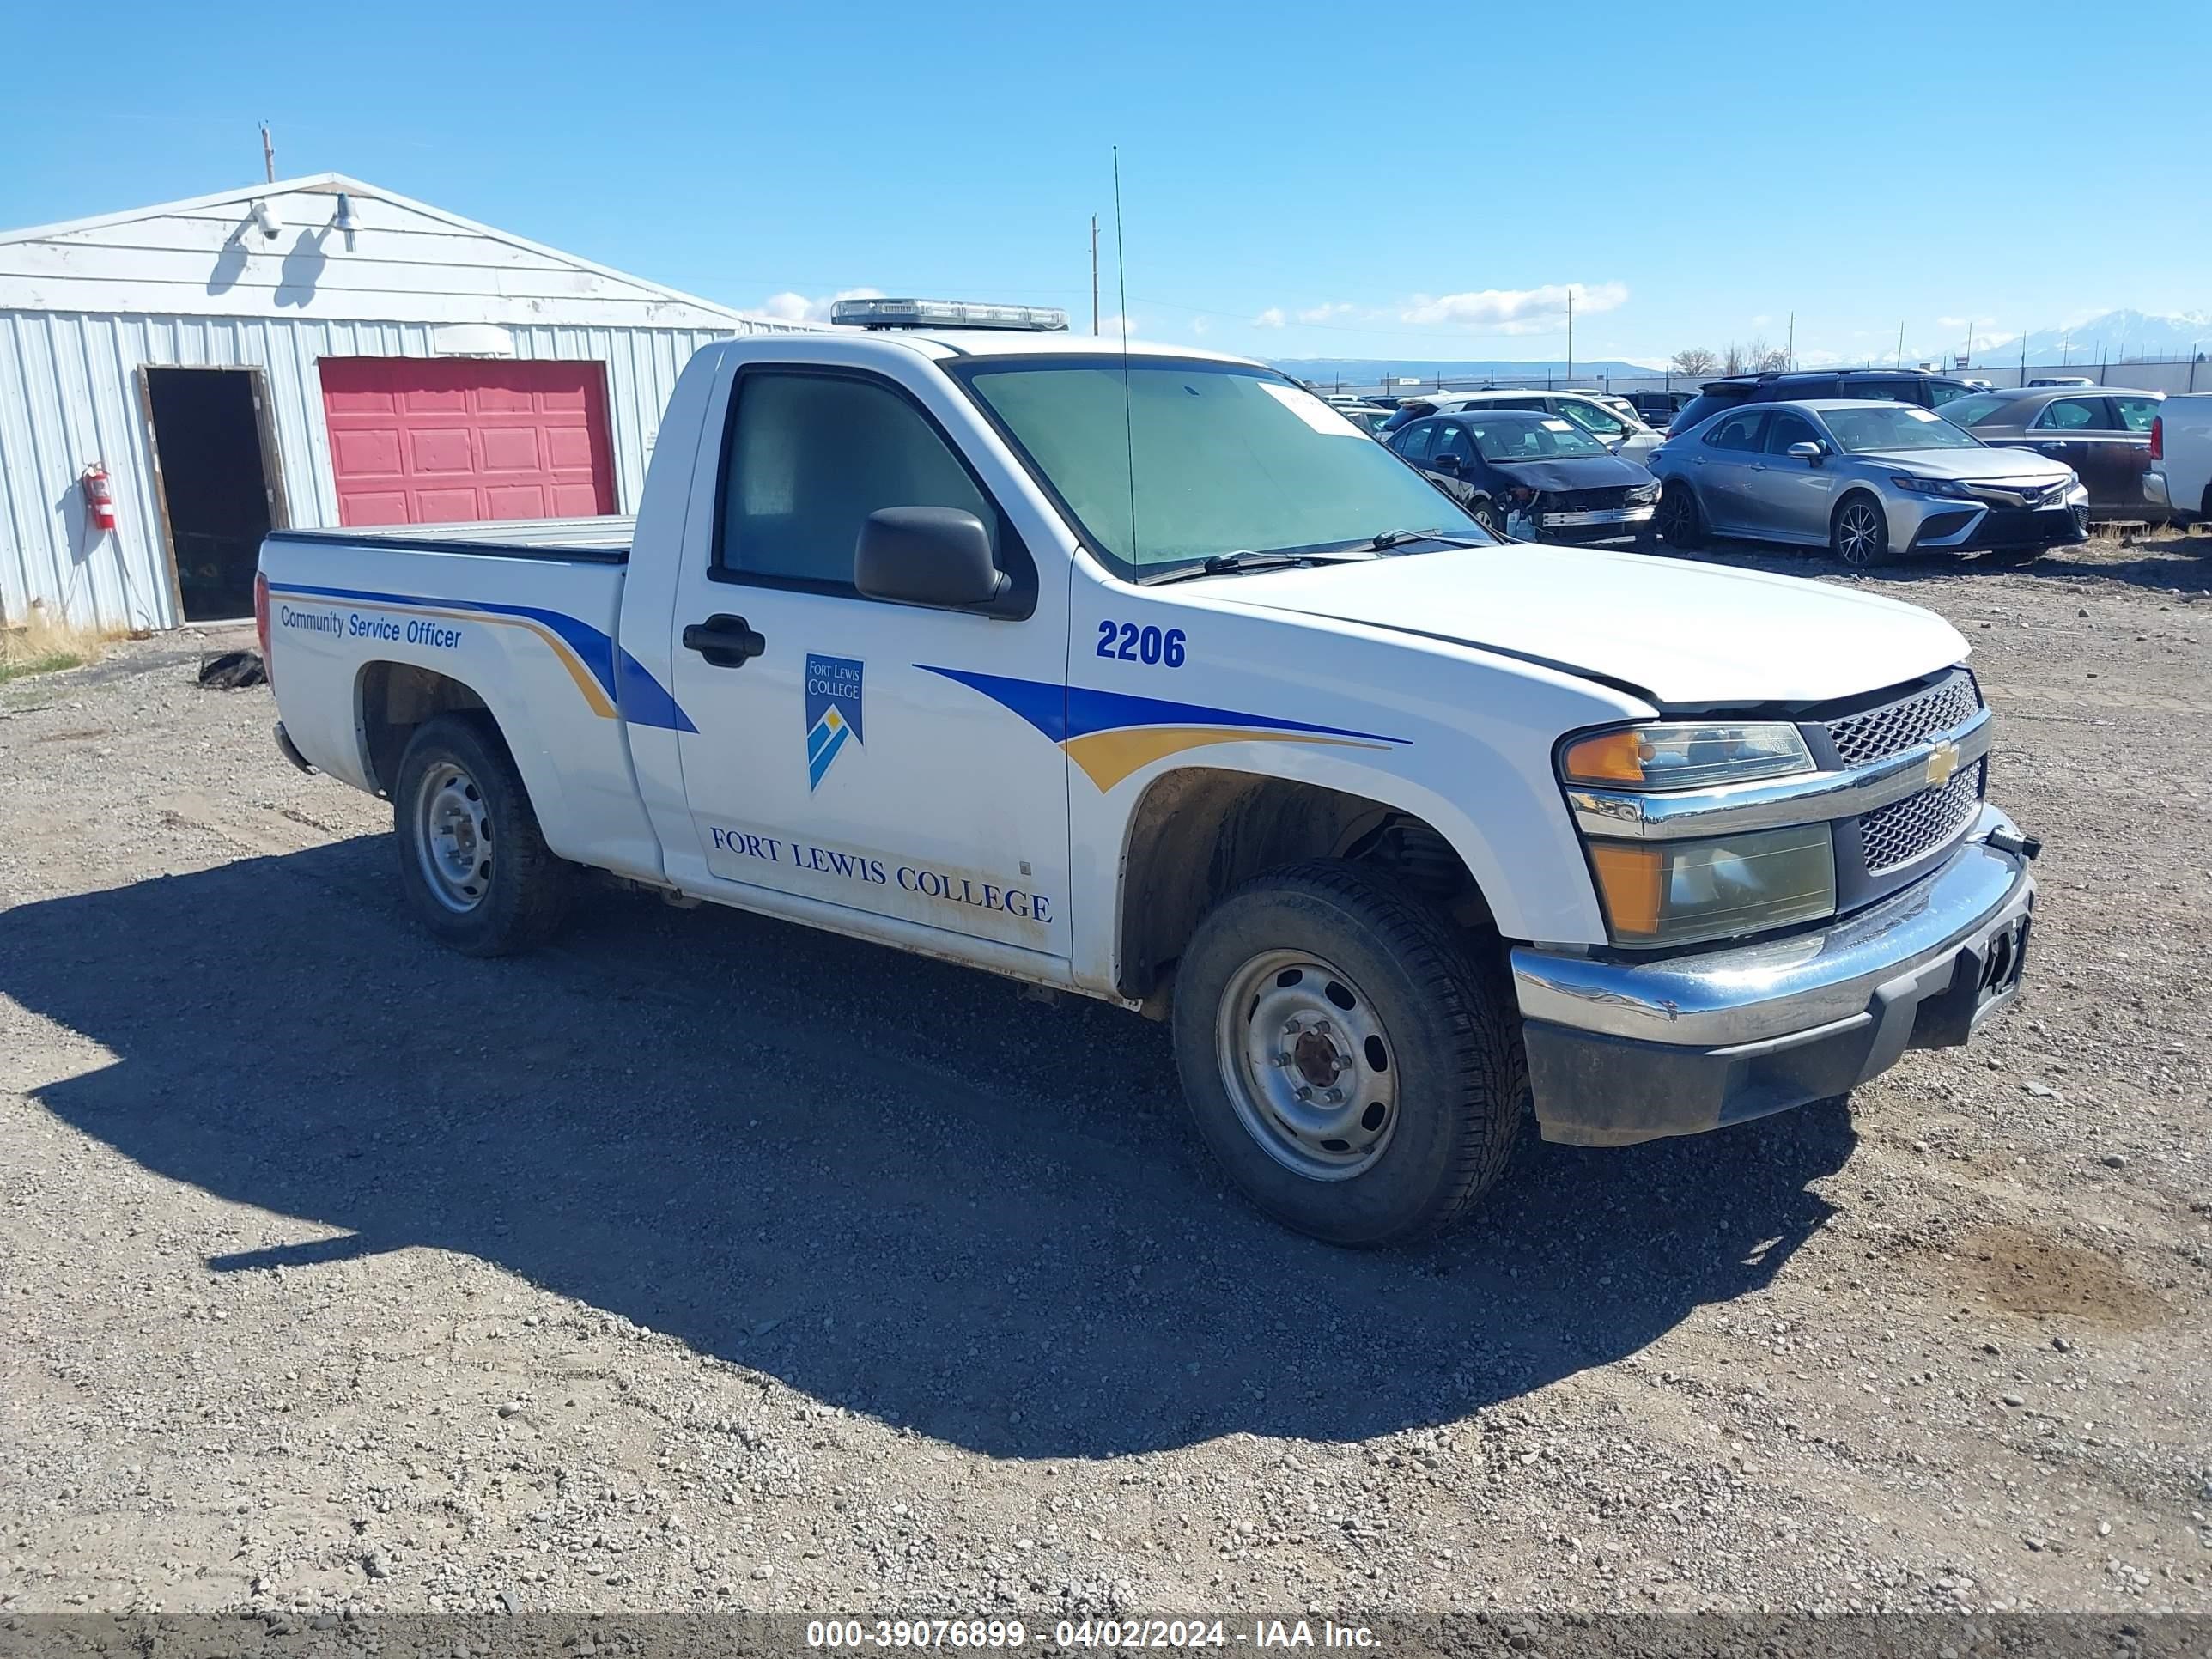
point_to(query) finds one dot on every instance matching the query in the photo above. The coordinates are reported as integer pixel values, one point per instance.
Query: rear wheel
(1354, 1069)
(1859, 533)
(1682, 521)
(475, 867)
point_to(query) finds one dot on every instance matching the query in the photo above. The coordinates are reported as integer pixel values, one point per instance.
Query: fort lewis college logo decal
(833, 712)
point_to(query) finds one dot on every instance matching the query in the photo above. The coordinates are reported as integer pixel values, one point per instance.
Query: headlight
(1681, 892)
(1685, 756)
(1920, 486)
(1644, 492)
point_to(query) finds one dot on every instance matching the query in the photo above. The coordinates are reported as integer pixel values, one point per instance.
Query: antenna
(1094, 274)
(268, 154)
(1121, 276)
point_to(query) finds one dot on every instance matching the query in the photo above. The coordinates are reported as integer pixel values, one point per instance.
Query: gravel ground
(705, 1262)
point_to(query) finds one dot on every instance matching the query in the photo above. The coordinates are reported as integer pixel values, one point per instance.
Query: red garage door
(445, 440)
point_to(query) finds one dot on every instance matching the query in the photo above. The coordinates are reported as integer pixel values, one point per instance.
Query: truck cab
(1140, 673)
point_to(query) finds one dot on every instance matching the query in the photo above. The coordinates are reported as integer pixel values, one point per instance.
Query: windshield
(1894, 426)
(1203, 458)
(1530, 438)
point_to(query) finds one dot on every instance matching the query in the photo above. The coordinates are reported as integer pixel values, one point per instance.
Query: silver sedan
(1870, 481)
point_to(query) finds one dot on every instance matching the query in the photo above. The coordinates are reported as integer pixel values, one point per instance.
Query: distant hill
(1370, 371)
(2115, 337)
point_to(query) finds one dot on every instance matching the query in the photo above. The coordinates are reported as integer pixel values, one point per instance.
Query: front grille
(1877, 733)
(1582, 501)
(1906, 829)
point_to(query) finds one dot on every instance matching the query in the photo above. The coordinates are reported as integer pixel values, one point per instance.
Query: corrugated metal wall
(69, 395)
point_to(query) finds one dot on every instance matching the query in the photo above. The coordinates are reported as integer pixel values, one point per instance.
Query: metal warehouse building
(313, 352)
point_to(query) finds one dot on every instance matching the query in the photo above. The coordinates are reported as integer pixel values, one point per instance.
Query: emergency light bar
(948, 314)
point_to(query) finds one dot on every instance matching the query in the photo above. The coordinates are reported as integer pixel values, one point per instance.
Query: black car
(1659, 408)
(1566, 483)
(2102, 432)
(1903, 385)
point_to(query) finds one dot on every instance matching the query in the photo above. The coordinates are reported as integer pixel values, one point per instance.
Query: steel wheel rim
(1857, 533)
(452, 837)
(1293, 1031)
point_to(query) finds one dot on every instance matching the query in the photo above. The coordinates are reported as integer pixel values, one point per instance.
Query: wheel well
(1199, 833)
(393, 699)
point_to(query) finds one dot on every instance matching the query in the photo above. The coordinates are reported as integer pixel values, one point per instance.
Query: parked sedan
(2102, 434)
(1869, 480)
(1527, 464)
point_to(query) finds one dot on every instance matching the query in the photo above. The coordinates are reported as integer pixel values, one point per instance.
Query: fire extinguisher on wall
(99, 498)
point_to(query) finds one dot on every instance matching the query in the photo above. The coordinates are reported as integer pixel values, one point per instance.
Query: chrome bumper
(1623, 1051)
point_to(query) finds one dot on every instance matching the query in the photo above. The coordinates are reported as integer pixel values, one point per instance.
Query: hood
(1686, 636)
(1991, 463)
(1576, 472)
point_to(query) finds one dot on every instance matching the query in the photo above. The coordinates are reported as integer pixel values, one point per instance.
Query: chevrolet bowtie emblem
(1942, 763)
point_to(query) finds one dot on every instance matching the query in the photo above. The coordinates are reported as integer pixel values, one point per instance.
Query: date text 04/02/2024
(1082, 1635)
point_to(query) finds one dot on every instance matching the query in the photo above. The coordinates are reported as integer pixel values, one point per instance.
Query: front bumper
(1950, 526)
(1624, 1052)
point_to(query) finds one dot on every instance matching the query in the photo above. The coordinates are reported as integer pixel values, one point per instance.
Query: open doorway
(218, 488)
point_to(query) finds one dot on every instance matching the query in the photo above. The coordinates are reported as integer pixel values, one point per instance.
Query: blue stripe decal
(1076, 711)
(642, 699)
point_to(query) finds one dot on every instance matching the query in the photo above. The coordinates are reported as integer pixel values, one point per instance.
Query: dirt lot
(707, 1262)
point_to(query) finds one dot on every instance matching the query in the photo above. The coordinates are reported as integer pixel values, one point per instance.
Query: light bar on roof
(948, 314)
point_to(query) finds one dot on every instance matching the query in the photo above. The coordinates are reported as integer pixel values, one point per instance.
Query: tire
(1858, 531)
(1682, 521)
(475, 866)
(1485, 514)
(1375, 988)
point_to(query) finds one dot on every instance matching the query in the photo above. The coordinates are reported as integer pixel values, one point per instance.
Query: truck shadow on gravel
(889, 1183)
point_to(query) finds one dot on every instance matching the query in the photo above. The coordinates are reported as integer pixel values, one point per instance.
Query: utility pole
(268, 154)
(1094, 274)
(1970, 344)
(1570, 336)
(1900, 345)
(2023, 356)
(1789, 351)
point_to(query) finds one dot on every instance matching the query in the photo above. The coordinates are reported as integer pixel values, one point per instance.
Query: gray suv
(1869, 480)
(1904, 386)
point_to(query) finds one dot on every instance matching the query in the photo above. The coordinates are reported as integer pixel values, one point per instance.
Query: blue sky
(1298, 180)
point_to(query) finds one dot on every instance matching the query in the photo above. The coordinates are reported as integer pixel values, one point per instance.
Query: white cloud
(1200, 325)
(797, 309)
(1514, 310)
(1271, 317)
(1323, 313)
(1110, 326)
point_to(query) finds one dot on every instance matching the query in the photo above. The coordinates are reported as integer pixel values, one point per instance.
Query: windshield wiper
(1229, 564)
(1390, 538)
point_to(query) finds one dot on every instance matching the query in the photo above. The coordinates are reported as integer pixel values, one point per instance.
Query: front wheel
(475, 867)
(1859, 533)
(1485, 514)
(1352, 1066)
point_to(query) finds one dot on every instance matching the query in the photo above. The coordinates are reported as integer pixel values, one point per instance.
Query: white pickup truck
(1144, 675)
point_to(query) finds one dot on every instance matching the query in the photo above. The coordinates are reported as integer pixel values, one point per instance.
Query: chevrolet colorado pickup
(1142, 674)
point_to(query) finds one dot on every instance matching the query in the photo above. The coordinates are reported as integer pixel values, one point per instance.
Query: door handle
(725, 641)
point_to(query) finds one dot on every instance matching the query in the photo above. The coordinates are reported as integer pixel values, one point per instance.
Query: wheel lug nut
(1334, 1096)
(1291, 1026)
(1320, 1028)
(1281, 1060)
(1304, 1093)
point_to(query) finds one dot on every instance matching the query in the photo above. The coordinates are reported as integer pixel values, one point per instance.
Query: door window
(1414, 442)
(810, 457)
(1452, 441)
(1941, 391)
(1900, 391)
(2137, 413)
(1740, 431)
(1785, 429)
(1598, 422)
(2073, 415)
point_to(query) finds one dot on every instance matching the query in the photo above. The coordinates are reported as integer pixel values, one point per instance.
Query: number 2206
(1126, 642)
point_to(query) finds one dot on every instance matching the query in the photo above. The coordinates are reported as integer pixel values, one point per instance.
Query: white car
(2179, 478)
(1620, 430)
(1140, 674)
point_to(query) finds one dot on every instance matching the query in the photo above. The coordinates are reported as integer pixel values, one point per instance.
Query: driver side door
(836, 759)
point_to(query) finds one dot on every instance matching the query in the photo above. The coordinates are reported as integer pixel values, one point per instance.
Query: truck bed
(598, 541)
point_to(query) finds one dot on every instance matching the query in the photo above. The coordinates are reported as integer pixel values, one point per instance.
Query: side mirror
(937, 556)
(1445, 464)
(1805, 452)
